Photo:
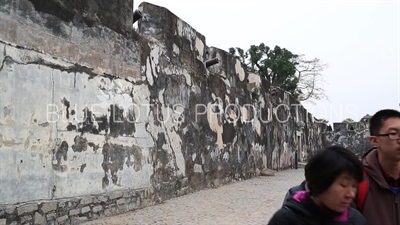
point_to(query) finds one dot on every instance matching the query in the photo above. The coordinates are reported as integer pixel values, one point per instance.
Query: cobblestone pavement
(251, 201)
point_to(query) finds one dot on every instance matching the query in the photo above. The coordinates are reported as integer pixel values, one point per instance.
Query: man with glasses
(382, 165)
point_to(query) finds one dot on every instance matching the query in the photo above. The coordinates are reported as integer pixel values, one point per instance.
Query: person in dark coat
(332, 176)
(292, 190)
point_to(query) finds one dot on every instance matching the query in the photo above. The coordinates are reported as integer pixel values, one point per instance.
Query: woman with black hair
(332, 177)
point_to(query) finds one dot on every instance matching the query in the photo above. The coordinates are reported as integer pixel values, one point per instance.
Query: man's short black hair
(328, 164)
(377, 120)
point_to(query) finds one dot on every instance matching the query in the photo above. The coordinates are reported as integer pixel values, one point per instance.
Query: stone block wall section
(97, 119)
(75, 210)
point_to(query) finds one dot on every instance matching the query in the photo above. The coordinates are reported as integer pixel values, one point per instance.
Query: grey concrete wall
(91, 108)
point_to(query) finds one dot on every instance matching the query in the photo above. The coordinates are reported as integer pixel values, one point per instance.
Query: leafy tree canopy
(284, 69)
(348, 120)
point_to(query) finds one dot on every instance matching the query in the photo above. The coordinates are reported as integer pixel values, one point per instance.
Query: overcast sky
(358, 39)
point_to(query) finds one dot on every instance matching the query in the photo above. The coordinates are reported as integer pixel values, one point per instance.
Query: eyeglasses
(392, 136)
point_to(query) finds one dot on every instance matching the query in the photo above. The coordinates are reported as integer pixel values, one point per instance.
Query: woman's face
(340, 194)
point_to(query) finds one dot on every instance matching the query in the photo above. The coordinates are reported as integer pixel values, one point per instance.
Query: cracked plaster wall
(89, 106)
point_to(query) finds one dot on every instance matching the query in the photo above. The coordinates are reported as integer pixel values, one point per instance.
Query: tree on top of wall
(348, 120)
(291, 72)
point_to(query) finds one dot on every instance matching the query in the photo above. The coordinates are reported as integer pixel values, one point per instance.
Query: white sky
(358, 39)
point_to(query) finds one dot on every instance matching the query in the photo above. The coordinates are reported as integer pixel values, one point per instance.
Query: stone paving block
(49, 206)
(74, 212)
(27, 208)
(116, 195)
(39, 219)
(86, 200)
(102, 198)
(85, 209)
(97, 208)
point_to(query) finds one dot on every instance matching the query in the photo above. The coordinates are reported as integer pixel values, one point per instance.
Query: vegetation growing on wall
(291, 72)
(255, 94)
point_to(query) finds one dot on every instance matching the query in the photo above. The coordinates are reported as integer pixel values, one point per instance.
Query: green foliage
(348, 120)
(255, 94)
(242, 55)
(283, 69)
(232, 51)
(277, 65)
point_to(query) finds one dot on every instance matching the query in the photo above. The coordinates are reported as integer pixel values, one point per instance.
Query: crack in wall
(75, 80)
(4, 58)
(172, 149)
(40, 59)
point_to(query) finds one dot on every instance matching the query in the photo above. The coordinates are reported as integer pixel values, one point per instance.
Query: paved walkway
(251, 201)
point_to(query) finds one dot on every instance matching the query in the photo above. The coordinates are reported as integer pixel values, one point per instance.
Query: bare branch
(310, 79)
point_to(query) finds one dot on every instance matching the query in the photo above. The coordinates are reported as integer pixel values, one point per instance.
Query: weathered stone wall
(97, 119)
(353, 136)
